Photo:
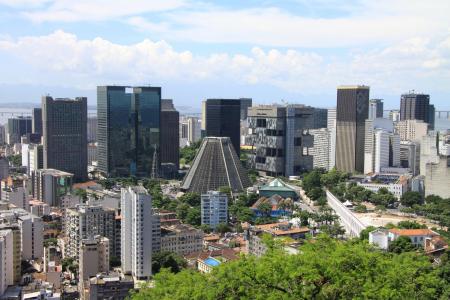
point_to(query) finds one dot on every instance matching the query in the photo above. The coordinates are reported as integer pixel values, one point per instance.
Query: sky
(296, 51)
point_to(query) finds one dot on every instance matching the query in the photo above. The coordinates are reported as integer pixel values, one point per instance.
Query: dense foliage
(169, 260)
(325, 269)
(187, 154)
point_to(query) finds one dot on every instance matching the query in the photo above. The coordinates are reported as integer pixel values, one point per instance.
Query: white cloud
(94, 10)
(62, 59)
(365, 23)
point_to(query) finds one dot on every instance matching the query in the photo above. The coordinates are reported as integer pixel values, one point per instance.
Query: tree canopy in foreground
(325, 269)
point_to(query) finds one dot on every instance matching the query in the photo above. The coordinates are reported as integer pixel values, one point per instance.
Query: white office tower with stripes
(136, 232)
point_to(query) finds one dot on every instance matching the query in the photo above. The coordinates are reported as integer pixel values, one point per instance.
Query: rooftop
(282, 228)
(276, 185)
(413, 232)
(54, 172)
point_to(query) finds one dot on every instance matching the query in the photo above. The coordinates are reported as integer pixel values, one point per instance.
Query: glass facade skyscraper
(128, 129)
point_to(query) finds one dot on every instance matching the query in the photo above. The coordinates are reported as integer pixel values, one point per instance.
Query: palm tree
(265, 209)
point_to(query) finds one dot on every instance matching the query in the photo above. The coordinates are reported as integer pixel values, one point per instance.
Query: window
(261, 123)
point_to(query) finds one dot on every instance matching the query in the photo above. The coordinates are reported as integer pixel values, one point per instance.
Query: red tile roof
(413, 232)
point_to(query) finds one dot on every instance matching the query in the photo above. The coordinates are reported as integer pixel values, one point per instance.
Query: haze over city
(294, 50)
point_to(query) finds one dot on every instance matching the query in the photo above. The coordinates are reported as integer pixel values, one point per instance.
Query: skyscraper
(223, 120)
(279, 135)
(128, 129)
(37, 120)
(170, 134)
(352, 111)
(245, 104)
(331, 126)
(17, 127)
(136, 235)
(375, 108)
(65, 135)
(417, 107)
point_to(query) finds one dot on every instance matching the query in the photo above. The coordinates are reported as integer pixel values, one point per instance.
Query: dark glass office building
(170, 134)
(17, 127)
(415, 107)
(223, 118)
(65, 135)
(351, 113)
(128, 129)
(37, 120)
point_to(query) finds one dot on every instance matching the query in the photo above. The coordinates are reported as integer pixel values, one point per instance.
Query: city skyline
(194, 51)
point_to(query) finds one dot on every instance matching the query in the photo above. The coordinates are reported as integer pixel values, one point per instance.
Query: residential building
(351, 114)
(375, 109)
(397, 184)
(16, 256)
(223, 120)
(170, 139)
(280, 138)
(50, 185)
(39, 208)
(2, 134)
(17, 127)
(65, 135)
(31, 231)
(256, 245)
(6, 263)
(381, 146)
(410, 156)
(94, 257)
(137, 233)
(215, 165)
(85, 221)
(181, 238)
(37, 120)
(384, 237)
(331, 126)
(109, 286)
(128, 129)
(411, 130)
(214, 208)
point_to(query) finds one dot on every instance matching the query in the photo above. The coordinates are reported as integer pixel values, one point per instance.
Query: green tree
(15, 160)
(325, 269)
(182, 211)
(311, 180)
(227, 191)
(81, 193)
(222, 228)
(410, 225)
(401, 244)
(166, 259)
(364, 235)
(193, 216)
(206, 228)
(265, 209)
(411, 198)
(193, 199)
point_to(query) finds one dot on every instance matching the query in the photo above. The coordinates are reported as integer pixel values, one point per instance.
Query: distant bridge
(440, 114)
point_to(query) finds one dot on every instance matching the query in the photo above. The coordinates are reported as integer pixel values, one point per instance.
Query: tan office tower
(351, 112)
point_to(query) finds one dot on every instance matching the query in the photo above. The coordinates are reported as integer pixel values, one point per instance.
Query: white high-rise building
(321, 148)
(331, 126)
(6, 259)
(214, 208)
(375, 109)
(411, 130)
(136, 232)
(382, 146)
